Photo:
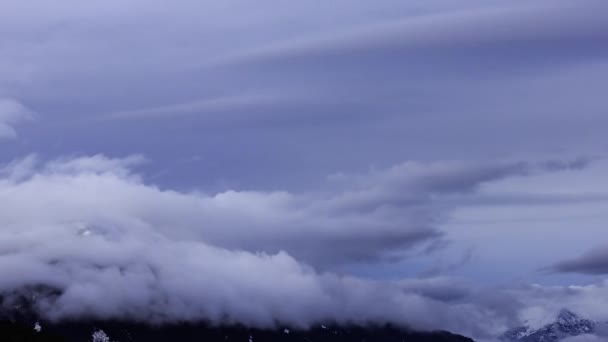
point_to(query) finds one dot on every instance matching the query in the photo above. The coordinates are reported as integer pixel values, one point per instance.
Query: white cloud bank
(113, 246)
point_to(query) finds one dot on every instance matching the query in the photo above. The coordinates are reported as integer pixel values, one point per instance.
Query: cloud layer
(114, 246)
(256, 103)
(290, 90)
(593, 262)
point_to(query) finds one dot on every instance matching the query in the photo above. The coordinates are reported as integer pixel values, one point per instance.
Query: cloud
(375, 83)
(415, 182)
(541, 304)
(440, 80)
(585, 338)
(107, 244)
(386, 65)
(593, 262)
(270, 106)
(509, 36)
(443, 267)
(364, 218)
(11, 113)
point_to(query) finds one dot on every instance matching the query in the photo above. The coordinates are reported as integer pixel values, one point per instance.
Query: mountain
(19, 322)
(566, 324)
(12, 331)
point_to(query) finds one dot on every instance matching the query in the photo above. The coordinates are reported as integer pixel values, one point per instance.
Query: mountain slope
(136, 332)
(566, 324)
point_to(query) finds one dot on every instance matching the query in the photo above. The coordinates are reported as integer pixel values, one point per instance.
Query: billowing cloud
(108, 244)
(379, 216)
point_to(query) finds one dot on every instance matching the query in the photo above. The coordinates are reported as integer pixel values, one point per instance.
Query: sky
(295, 162)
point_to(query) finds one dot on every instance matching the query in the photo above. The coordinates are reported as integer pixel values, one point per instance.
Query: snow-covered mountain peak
(566, 324)
(566, 316)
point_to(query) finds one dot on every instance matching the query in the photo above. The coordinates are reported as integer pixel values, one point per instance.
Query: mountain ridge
(20, 321)
(566, 324)
(123, 331)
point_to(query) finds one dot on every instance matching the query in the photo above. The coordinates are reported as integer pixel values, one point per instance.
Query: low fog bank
(111, 246)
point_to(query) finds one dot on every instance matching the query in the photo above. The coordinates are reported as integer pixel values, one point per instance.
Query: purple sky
(437, 150)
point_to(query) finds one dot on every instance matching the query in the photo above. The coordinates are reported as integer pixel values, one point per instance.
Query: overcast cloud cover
(436, 164)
